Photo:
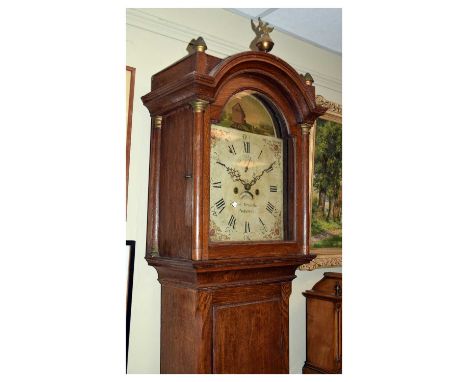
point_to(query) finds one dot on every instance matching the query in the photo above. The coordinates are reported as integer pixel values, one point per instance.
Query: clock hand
(235, 175)
(257, 177)
(247, 167)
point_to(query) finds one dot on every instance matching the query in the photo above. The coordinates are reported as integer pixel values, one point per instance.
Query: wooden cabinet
(323, 320)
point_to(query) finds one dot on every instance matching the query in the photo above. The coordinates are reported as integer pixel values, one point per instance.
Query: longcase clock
(228, 208)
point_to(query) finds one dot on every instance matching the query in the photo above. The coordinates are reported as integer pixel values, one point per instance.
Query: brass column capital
(305, 128)
(157, 122)
(199, 105)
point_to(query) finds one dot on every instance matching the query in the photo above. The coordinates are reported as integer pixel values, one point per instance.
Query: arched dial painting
(247, 172)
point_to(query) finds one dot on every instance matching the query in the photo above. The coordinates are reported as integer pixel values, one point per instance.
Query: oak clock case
(228, 211)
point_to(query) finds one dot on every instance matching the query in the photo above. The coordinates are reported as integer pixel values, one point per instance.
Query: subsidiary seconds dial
(246, 193)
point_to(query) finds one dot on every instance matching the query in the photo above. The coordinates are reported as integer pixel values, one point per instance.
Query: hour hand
(234, 174)
(247, 167)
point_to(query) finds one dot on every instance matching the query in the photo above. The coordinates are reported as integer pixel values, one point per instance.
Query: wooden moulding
(224, 273)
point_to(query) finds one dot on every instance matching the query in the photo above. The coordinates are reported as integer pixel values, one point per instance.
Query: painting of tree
(327, 186)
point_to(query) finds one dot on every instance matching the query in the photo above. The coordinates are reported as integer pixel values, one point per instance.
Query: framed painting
(325, 165)
(130, 85)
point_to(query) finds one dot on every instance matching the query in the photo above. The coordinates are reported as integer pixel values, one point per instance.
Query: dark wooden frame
(131, 265)
(129, 127)
(211, 292)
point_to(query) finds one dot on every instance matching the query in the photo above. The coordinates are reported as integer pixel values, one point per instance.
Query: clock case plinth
(224, 306)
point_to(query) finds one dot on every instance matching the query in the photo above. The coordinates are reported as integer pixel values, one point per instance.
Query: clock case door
(185, 99)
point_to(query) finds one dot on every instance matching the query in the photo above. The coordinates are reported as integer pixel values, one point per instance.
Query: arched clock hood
(202, 76)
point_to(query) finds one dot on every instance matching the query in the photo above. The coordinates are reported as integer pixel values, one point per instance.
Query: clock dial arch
(248, 189)
(278, 95)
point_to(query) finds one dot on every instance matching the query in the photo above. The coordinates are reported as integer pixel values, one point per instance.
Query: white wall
(155, 39)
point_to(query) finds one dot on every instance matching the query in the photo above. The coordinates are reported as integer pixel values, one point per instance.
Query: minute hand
(257, 177)
(234, 174)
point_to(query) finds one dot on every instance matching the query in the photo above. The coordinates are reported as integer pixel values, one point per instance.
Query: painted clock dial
(246, 186)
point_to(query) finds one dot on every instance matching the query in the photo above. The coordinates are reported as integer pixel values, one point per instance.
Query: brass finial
(264, 42)
(308, 79)
(199, 44)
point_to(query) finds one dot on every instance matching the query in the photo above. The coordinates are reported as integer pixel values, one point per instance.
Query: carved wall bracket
(326, 258)
(332, 107)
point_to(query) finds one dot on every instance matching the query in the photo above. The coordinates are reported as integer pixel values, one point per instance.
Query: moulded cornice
(139, 18)
(260, 62)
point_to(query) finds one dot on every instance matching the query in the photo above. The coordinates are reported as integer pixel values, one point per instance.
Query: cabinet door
(322, 340)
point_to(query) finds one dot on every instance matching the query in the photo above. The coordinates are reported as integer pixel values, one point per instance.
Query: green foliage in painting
(326, 203)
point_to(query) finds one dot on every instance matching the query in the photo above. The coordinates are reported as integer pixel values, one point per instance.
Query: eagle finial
(263, 30)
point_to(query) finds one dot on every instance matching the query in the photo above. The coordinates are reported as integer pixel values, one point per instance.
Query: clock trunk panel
(242, 332)
(321, 351)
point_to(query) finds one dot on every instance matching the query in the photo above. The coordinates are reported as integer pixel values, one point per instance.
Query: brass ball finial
(264, 41)
(199, 44)
(308, 79)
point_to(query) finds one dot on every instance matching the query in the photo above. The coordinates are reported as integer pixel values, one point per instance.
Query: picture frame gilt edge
(326, 257)
(128, 134)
